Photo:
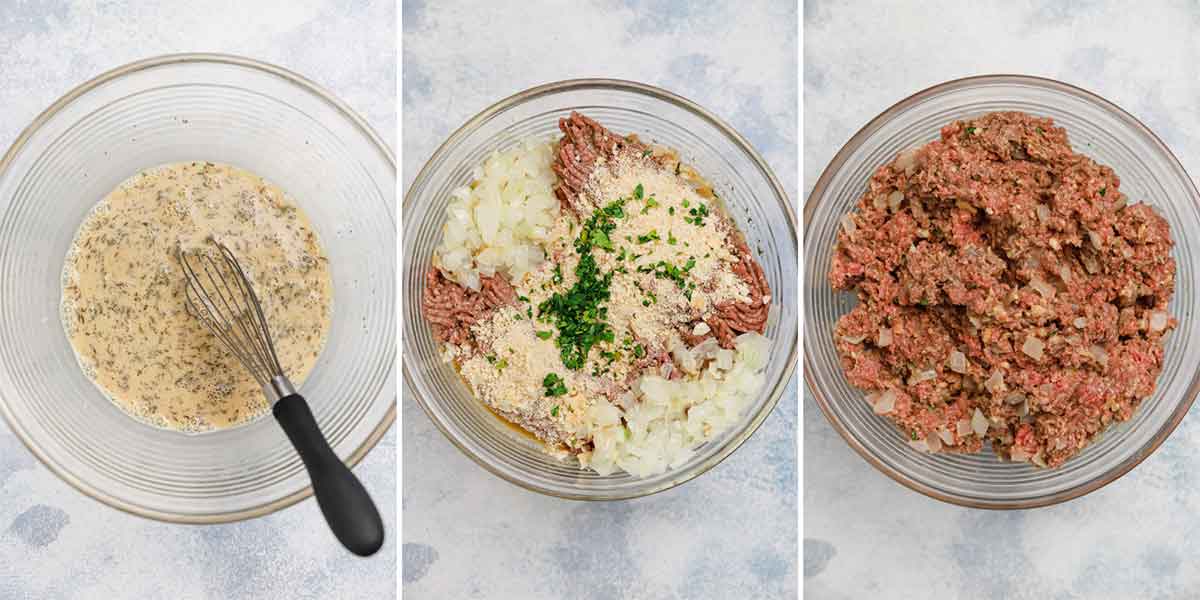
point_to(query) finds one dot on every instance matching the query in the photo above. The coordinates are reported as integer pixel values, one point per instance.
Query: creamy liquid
(123, 303)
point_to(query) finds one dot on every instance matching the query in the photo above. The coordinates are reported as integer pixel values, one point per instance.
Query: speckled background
(732, 532)
(866, 536)
(56, 542)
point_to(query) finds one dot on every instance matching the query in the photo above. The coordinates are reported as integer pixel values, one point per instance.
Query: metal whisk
(220, 295)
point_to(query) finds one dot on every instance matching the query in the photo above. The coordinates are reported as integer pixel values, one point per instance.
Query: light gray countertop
(54, 541)
(730, 533)
(866, 536)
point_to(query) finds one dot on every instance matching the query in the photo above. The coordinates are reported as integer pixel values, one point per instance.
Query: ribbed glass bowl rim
(853, 145)
(777, 387)
(126, 70)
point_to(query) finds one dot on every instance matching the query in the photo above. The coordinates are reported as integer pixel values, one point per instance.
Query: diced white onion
(963, 427)
(894, 199)
(854, 339)
(979, 423)
(1099, 354)
(885, 337)
(879, 202)
(1038, 460)
(1043, 288)
(947, 437)
(1090, 263)
(907, 161)
(1018, 454)
(1014, 398)
(918, 445)
(1079, 322)
(1065, 273)
(958, 361)
(1043, 213)
(995, 382)
(922, 376)
(1033, 347)
(885, 402)
(934, 442)
(1094, 237)
(1158, 320)
(848, 224)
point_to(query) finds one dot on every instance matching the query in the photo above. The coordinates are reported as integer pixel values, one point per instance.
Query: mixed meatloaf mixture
(1008, 292)
(576, 275)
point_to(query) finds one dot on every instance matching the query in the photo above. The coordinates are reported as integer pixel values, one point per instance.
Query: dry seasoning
(123, 292)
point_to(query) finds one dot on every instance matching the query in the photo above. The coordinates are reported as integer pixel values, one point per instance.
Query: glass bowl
(181, 108)
(1149, 173)
(751, 192)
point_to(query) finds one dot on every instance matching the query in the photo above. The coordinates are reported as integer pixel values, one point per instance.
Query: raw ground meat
(999, 272)
(452, 309)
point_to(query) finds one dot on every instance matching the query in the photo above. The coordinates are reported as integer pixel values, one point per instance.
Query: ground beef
(998, 271)
(452, 309)
(584, 141)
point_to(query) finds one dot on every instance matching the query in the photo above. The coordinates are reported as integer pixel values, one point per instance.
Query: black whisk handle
(347, 507)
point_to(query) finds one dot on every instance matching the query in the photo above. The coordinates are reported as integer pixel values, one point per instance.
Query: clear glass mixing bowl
(176, 108)
(1148, 172)
(750, 190)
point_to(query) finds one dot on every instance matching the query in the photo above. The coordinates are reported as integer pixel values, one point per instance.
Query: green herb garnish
(545, 335)
(638, 191)
(554, 385)
(554, 411)
(650, 236)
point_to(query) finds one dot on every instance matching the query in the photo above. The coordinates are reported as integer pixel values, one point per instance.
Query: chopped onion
(1060, 444)
(1094, 237)
(907, 160)
(701, 329)
(934, 442)
(1014, 398)
(724, 359)
(1099, 354)
(1043, 213)
(1018, 454)
(855, 339)
(979, 423)
(879, 202)
(885, 337)
(958, 361)
(963, 427)
(710, 346)
(894, 200)
(947, 437)
(1065, 273)
(1023, 409)
(1039, 461)
(1043, 288)
(1158, 320)
(922, 376)
(885, 402)
(1079, 322)
(996, 382)
(1033, 347)
(918, 210)
(918, 445)
(848, 224)
(1127, 252)
(1090, 263)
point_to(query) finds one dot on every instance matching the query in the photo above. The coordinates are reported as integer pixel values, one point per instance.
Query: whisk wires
(220, 295)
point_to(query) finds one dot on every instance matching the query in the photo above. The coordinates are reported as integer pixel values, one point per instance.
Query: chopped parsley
(671, 238)
(501, 364)
(639, 350)
(650, 236)
(554, 385)
(557, 274)
(1103, 191)
(578, 313)
(665, 270)
(971, 131)
(671, 211)
(638, 191)
(650, 203)
(697, 215)
(522, 298)
(545, 335)
(686, 203)
(554, 411)
(491, 358)
(646, 153)
(596, 229)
